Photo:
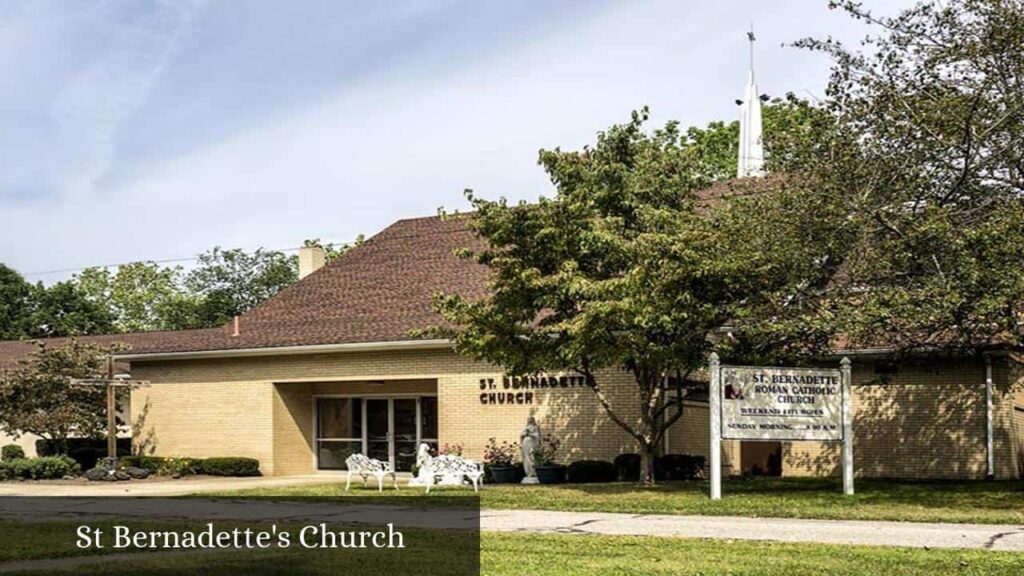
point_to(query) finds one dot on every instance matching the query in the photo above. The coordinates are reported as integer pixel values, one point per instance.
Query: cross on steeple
(750, 161)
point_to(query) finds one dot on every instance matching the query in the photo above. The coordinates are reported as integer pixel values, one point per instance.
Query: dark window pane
(428, 409)
(331, 454)
(339, 418)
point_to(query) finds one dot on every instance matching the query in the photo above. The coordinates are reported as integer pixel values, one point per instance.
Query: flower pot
(552, 474)
(504, 474)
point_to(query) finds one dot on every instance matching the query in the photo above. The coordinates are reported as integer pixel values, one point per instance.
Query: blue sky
(156, 130)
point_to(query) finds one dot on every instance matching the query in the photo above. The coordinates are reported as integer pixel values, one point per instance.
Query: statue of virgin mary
(529, 441)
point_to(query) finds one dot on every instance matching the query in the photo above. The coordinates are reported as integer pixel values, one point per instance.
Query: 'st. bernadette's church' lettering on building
(519, 389)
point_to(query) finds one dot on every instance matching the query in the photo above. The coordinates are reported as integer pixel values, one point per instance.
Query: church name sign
(772, 403)
(763, 403)
(520, 390)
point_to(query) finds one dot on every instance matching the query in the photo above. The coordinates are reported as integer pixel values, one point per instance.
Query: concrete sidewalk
(871, 533)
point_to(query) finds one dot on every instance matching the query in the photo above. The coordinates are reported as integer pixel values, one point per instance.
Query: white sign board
(764, 403)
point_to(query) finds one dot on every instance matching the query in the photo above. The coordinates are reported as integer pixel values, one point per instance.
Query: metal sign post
(844, 370)
(771, 403)
(715, 417)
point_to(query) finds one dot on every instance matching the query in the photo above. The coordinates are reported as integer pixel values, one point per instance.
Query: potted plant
(548, 472)
(499, 459)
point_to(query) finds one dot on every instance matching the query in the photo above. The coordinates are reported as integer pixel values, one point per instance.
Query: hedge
(679, 467)
(667, 467)
(627, 467)
(42, 468)
(587, 471)
(233, 466)
(12, 452)
(165, 466)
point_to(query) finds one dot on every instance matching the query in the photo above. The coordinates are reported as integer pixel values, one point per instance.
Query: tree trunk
(646, 464)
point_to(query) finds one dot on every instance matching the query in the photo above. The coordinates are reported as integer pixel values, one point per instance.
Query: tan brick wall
(203, 419)
(928, 421)
(262, 407)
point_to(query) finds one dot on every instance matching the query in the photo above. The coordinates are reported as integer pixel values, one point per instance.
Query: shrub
(43, 468)
(627, 467)
(12, 451)
(151, 463)
(164, 466)
(86, 456)
(667, 467)
(679, 467)
(587, 471)
(503, 454)
(547, 451)
(231, 466)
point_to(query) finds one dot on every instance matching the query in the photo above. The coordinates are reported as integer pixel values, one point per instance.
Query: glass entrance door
(378, 429)
(388, 429)
(405, 433)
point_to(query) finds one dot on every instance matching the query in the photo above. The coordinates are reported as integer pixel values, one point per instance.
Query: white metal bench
(451, 465)
(365, 467)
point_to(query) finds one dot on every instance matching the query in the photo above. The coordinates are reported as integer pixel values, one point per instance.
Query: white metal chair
(449, 464)
(365, 467)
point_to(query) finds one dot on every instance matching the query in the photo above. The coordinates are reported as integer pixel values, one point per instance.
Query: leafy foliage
(144, 296)
(42, 468)
(927, 159)
(628, 269)
(64, 309)
(233, 281)
(11, 452)
(36, 396)
(14, 298)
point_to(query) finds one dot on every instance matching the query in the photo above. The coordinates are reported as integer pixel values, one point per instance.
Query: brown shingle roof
(379, 291)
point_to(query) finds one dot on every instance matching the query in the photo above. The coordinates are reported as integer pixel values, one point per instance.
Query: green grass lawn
(549, 554)
(997, 502)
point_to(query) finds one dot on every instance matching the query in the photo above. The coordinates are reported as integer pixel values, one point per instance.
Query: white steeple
(751, 154)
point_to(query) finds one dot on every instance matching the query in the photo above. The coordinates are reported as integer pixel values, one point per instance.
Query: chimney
(311, 259)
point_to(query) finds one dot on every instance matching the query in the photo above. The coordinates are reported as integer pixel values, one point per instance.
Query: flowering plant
(451, 449)
(500, 454)
(545, 453)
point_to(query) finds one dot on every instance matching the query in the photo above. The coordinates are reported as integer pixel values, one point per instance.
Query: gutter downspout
(990, 468)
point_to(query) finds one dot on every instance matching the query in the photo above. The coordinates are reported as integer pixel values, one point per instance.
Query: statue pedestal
(530, 480)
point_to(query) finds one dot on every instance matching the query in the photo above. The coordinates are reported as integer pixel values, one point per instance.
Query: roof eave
(290, 350)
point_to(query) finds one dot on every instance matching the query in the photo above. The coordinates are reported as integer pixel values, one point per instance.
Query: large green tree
(15, 295)
(927, 159)
(140, 296)
(63, 309)
(229, 282)
(630, 268)
(36, 396)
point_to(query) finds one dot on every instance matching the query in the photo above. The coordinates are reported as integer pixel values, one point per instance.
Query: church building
(330, 366)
